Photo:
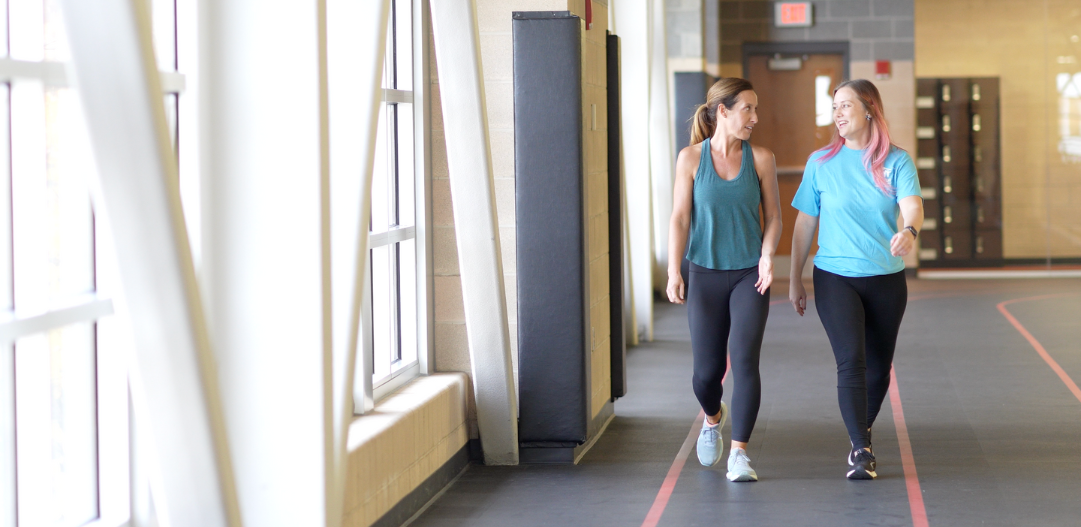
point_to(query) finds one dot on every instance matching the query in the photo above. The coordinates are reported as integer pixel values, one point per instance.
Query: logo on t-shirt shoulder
(887, 172)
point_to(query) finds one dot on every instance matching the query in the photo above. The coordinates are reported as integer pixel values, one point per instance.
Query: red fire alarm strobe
(882, 69)
(792, 14)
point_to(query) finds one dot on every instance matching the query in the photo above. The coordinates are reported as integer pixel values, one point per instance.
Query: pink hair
(874, 156)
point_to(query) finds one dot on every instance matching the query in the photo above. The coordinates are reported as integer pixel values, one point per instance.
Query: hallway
(994, 431)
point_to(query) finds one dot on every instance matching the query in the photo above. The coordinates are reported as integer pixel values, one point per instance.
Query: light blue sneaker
(710, 445)
(739, 466)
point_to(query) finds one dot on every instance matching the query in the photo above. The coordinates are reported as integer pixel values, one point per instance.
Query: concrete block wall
(693, 35)
(595, 102)
(494, 21)
(876, 29)
(1026, 48)
(685, 24)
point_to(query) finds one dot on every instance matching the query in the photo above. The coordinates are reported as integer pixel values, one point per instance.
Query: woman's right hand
(676, 289)
(797, 295)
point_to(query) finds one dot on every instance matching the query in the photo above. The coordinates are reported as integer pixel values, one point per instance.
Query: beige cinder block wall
(494, 20)
(1026, 47)
(595, 96)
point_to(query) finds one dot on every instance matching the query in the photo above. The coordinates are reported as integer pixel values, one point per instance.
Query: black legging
(723, 307)
(862, 316)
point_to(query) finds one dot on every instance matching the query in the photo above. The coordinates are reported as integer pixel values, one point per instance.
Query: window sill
(406, 438)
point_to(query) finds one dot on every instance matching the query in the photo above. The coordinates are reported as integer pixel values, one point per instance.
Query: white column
(461, 89)
(117, 79)
(711, 36)
(661, 161)
(266, 259)
(356, 38)
(632, 23)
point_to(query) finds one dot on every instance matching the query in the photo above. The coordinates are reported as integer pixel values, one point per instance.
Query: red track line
(919, 515)
(908, 461)
(669, 485)
(1036, 344)
(659, 504)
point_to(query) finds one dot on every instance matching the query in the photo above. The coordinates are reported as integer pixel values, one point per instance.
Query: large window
(1069, 92)
(64, 395)
(391, 311)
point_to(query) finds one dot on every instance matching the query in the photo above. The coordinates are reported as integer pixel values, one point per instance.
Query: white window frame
(375, 389)
(114, 507)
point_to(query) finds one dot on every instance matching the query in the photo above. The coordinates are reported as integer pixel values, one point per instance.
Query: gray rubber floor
(995, 432)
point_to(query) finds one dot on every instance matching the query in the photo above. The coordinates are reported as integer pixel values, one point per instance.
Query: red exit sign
(792, 14)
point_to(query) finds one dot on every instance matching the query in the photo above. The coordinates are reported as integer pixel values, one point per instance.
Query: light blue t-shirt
(856, 219)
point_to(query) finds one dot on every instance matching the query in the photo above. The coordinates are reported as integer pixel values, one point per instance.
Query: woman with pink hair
(852, 191)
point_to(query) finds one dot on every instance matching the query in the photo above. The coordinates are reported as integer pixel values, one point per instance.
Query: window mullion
(395, 235)
(393, 183)
(90, 311)
(363, 396)
(397, 96)
(395, 305)
(8, 476)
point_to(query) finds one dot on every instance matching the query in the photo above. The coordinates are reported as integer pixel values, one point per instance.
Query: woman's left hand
(902, 243)
(765, 274)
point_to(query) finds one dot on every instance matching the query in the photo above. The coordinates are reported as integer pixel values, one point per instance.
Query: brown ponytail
(725, 91)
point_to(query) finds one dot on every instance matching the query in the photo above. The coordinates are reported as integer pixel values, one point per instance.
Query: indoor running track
(987, 432)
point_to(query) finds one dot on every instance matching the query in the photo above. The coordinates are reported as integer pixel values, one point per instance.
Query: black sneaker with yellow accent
(863, 465)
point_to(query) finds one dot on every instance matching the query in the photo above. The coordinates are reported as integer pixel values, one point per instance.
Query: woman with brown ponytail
(720, 182)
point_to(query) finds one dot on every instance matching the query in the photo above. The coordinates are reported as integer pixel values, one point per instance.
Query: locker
(956, 213)
(984, 94)
(927, 147)
(932, 215)
(987, 213)
(930, 238)
(957, 243)
(955, 183)
(928, 183)
(957, 156)
(985, 184)
(926, 93)
(988, 244)
(930, 245)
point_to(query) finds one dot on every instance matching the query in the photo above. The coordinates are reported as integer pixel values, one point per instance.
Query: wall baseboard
(420, 496)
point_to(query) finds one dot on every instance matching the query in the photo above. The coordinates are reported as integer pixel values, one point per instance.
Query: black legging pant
(724, 308)
(862, 316)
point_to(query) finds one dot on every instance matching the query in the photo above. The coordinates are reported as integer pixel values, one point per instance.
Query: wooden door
(791, 106)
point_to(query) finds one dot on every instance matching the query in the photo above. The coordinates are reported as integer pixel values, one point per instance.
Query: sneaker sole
(857, 473)
(704, 464)
(741, 477)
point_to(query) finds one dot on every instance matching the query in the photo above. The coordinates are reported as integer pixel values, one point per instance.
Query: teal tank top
(726, 229)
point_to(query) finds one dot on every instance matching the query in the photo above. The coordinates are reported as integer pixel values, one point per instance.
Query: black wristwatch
(913, 230)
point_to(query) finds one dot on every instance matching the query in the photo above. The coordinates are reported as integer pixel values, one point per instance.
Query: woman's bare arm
(680, 225)
(766, 165)
(802, 235)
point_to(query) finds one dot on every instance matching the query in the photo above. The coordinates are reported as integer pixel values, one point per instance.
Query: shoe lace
(709, 435)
